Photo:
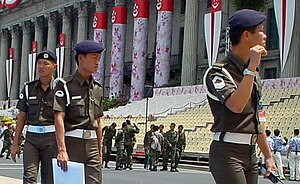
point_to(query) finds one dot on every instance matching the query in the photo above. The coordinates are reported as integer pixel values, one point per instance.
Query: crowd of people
(157, 143)
(286, 153)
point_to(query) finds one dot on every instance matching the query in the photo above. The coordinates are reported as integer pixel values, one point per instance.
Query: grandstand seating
(280, 99)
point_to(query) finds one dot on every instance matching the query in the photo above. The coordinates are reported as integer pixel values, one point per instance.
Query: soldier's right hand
(62, 160)
(255, 56)
(14, 151)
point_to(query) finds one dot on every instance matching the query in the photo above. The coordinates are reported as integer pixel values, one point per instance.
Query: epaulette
(31, 82)
(219, 65)
(98, 83)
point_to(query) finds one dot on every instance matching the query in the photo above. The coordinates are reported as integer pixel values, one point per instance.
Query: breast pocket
(76, 108)
(33, 107)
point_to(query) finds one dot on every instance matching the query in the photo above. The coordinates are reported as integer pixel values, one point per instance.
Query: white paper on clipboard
(74, 175)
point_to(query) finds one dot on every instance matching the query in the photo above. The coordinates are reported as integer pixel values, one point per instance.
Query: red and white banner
(60, 54)
(119, 17)
(32, 61)
(285, 15)
(9, 3)
(9, 71)
(140, 47)
(212, 30)
(163, 42)
(100, 35)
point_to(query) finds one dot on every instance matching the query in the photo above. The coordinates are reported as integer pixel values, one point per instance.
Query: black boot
(106, 165)
(172, 170)
(164, 169)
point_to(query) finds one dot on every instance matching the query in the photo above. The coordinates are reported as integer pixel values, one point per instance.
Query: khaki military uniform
(180, 147)
(129, 142)
(81, 102)
(8, 138)
(170, 141)
(119, 143)
(107, 142)
(40, 143)
(222, 80)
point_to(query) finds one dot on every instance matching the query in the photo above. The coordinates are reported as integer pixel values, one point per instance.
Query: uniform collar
(39, 83)
(237, 62)
(80, 80)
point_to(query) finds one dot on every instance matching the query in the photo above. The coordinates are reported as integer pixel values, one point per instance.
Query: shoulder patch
(59, 93)
(21, 96)
(218, 82)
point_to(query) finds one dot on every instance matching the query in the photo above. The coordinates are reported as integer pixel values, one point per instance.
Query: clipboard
(74, 175)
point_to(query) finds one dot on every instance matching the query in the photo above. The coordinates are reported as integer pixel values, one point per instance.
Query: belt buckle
(40, 129)
(254, 139)
(87, 134)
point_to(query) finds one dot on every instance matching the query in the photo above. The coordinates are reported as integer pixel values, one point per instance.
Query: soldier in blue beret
(233, 90)
(78, 108)
(36, 111)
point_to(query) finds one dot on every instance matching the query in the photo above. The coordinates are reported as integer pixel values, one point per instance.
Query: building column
(119, 20)
(100, 35)
(82, 21)
(38, 32)
(189, 58)
(52, 32)
(15, 44)
(140, 49)
(66, 29)
(4, 57)
(26, 48)
(163, 42)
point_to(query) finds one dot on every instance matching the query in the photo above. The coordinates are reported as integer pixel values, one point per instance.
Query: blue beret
(88, 46)
(46, 55)
(246, 18)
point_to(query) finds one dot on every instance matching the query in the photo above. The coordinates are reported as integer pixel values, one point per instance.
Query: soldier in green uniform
(8, 137)
(78, 108)
(36, 110)
(147, 143)
(180, 146)
(170, 141)
(129, 142)
(108, 132)
(119, 144)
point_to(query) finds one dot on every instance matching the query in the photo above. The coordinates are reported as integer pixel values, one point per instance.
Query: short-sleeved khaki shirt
(220, 86)
(80, 100)
(37, 104)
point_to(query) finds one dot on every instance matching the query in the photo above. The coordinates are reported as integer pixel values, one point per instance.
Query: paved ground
(11, 173)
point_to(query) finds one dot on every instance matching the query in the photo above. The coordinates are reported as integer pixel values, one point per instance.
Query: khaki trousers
(86, 151)
(38, 148)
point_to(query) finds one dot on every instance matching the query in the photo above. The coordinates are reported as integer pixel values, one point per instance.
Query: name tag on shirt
(76, 97)
(32, 98)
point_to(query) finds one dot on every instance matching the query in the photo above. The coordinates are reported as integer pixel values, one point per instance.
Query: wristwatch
(248, 72)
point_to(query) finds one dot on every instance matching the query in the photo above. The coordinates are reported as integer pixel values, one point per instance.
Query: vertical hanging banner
(100, 35)
(9, 70)
(60, 54)
(163, 42)
(212, 30)
(285, 16)
(119, 17)
(32, 61)
(140, 47)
